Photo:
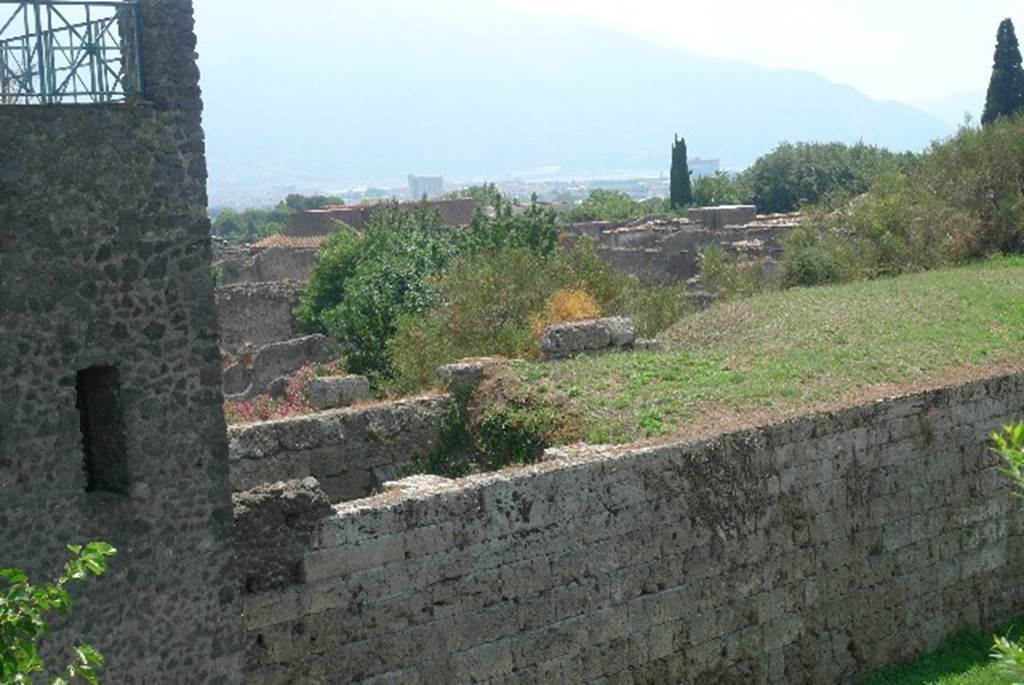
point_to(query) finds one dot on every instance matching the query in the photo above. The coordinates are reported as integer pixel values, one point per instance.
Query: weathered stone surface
(716, 218)
(255, 314)
(265, 369)
(660, 248)
(790, 554)
(565, 340)
(649, 345)
(273, 528)
(105, 262)
(466, 374)
(350, 451)
(333, 392)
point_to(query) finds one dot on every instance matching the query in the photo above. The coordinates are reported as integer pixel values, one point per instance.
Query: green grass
(962, 660)
(786, 351)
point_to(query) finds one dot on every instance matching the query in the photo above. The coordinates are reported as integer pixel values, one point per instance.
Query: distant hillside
(370, 93)
(951, 109)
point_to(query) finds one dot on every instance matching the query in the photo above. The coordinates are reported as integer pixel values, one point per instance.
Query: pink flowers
(294, 402)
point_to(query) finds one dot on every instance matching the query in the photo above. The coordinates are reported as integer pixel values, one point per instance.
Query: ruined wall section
(812, 551)
(349, 451)
(256, 314)
(105, 265)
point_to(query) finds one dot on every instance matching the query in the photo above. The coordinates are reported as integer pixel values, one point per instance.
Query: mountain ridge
(388, 92)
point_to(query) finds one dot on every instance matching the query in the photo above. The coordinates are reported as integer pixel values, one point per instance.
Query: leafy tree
(792, 175)
(1005, 96)
(607, 205)
(680, 191)
(535, 229)
(721, 188)
(361, 285)
(298, 202)
(486, 195)
(23, 609)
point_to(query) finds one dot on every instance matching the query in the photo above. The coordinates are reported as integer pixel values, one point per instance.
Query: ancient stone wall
(240, 263)
(110, 419)
(669, 247)
(350, 451)
(255, 314)
(810, 551)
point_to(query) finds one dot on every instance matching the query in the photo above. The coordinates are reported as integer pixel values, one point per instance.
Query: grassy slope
(962, 660)
(773, 355)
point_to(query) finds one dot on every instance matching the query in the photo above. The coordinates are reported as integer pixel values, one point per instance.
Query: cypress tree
(1006, 89)
(680, 191)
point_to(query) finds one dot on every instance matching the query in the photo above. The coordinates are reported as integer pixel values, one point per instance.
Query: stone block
(726, 215)
(466, 374)
(565, 340)
(331, 392)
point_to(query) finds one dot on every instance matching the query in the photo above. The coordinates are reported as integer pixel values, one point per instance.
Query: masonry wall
(812, 551)
(255, 314)
(350, 451)
(105, 262)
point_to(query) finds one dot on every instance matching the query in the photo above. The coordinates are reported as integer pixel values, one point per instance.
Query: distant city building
(431, 186)
(704, 167)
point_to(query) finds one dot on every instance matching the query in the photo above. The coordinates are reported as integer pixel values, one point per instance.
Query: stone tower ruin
(110, 403)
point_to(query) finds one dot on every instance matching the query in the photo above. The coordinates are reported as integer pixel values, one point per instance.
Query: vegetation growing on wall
(24, 610)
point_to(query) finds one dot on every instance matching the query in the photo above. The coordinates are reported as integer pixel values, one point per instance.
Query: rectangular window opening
(102, 424)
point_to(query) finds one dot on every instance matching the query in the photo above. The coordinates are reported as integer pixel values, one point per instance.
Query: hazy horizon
(312, 95)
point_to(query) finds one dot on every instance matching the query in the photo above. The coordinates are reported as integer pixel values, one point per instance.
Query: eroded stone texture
(282, 517)
(565, 340)
(105, 264)
(350, 451)
(333, 392)
(716, 218)
(262, 370)
(466, 374)
(811, 551)
(255, 314)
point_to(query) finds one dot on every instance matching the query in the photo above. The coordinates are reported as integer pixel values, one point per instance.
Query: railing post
(40, 54)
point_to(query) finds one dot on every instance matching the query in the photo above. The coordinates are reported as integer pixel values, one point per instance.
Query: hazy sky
(890, 49)
(905, 50)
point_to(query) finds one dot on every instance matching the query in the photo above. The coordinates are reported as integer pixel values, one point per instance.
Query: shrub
(793, 175)
(488, 303)
(721, 188)
(961, 200)
(1009, 444)
(607, 205)
(23, 610)
(499, 424)
(362, 286)
(570, 304)
(811, 257)
(726, 276)
(335, 264)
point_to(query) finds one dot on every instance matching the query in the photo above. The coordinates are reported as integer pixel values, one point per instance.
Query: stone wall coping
(583, 455)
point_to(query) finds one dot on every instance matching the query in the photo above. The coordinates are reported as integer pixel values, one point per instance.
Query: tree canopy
(1005, 96)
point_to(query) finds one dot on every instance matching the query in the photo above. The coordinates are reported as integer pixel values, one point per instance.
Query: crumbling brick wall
(107, 323)
(811, 551)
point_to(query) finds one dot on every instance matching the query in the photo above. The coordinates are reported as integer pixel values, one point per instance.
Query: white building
(431, 186)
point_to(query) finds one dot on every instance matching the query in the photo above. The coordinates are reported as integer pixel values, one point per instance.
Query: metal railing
(63, 51)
